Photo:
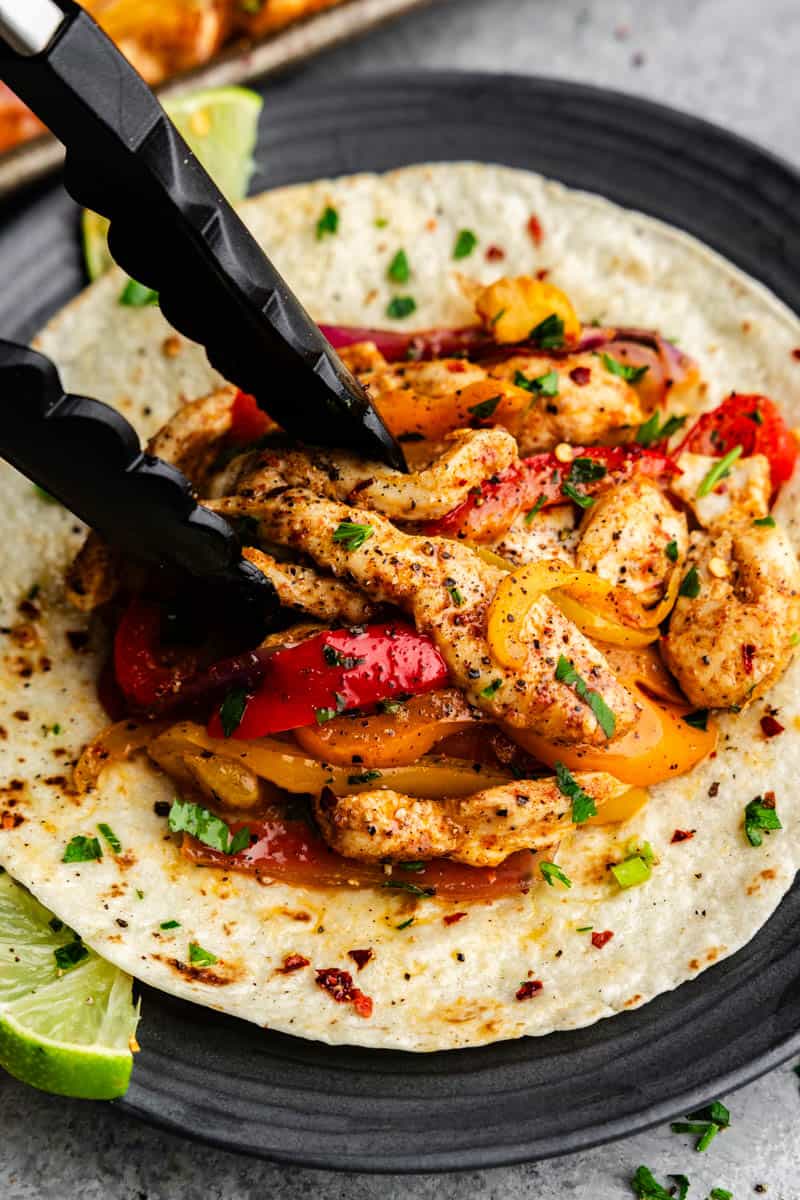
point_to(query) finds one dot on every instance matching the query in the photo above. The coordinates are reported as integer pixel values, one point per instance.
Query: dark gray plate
(242, 1088)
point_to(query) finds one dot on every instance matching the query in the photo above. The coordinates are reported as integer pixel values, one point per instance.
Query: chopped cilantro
(335, 658)
(139, 894)
(170, 925)
(399, 271)
(82, 849)
(756, 416)
(111, 837)
(323, 715)
(580, 498)
(363, 777)
(328, 223)
(671, 551)
(381, 222)
(491, 689)
(586, 470)
(549, 333)
(456, 596)
(646, 1187)
(551, 871)
(622, 370)
(465, 244)
(653, 431)
(414, 867)
(485, 409)
(401, 306)
(767, 522)
(584, 929)
(715, 1111)
(211, 830)
(405, 924)
(542, 385)
(390, 707)
(55, 924)
(719, 1193)
(697, 719)
(583, 806)
(136, 295)
(759, 817)
(683, 1186)
(537, 508)
(718, 472)
(402, 885)
(501, 312)
(71, 955)
(566, 673)
(232, 710)
(690, 587)
(352, 535)
(199, 957)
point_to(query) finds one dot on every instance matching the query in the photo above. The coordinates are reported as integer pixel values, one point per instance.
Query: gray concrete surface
(735, 62)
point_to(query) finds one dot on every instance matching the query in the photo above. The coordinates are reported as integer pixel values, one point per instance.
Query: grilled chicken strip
(480, 830)
(448, 589)
(303, 588)
(590, 405)
(470, 457)
(742, 494)
(624, 538)
(190, 441)
(728, 644)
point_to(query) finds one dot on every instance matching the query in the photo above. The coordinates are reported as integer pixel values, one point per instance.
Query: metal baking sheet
(238, 63)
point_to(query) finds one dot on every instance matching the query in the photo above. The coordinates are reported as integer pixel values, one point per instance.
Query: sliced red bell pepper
(335, 671)
(538, 482)
(141, 671)
(248, 421)
(753, 422)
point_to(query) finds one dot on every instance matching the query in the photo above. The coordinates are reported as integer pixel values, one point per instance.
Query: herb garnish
(491, 689)
(580, 498)
(718, 472)
(352, 535)
(767, 522)
(652, 430)
(328, 223)
(82, 849)
(199, 957)
(364, 777)
(542, 385)
(136, 295)
(401, 306)
(690, 586)
(232, 710)
(706, 1124)
(211, 830)
(399, 271)
(582, 470)
(566, 673)
(170, 925)
(622, 370)
(671, 551)
(405, 924)
(323, 715)
(402, 885)
(486, 408)
(390, 707)
(583, 806)
(697, 719)
(646, 1187)
(465, 244)
(71, 955)
(549, 333)
(335, 658)
(632, 871)
(551, 871)
(111, 837)
(760, 816)
(537, 508)
(456, 596)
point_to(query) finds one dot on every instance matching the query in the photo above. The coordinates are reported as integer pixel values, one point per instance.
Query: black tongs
(173, 230)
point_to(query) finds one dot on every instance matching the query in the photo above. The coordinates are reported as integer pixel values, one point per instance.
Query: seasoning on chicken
(448, 590)
(732, 629)
(301, 587)
(480, 830)
(741, 492)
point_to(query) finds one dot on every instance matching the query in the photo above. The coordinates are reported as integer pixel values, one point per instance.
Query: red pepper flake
(769, 800)
(770, 727)
(682, 835)
(360, 957)
(581, 375)
(535, 229)
(542, 273)
(599, 939)
(748, 653)
(293, 962)
(456, 368)
(451, 918)
(796, 354)
(529, 988)
(494, 253)
(339, 986)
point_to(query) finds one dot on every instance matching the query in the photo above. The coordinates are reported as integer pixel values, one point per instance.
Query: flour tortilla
(434, 986)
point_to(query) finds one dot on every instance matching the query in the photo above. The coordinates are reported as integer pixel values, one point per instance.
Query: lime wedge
(221, 127)
(66, 1029)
